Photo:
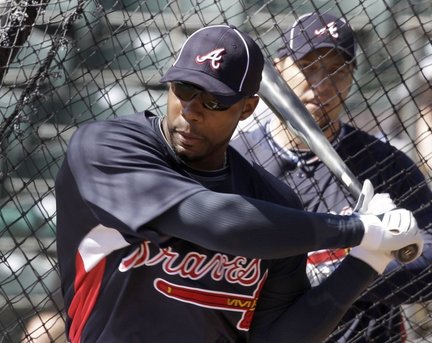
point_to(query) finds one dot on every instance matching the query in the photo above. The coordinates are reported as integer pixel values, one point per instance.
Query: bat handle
(406, 254)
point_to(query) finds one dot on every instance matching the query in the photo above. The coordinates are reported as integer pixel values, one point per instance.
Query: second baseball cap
(315, 30)
(221, 60)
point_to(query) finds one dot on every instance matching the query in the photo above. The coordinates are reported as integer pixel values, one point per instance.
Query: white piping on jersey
(99, 243)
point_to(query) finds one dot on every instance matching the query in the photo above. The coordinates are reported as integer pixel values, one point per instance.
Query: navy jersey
(390, 171)
(125, 281)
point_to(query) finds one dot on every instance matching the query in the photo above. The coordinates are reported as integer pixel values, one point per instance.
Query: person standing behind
(317, 60)
(167, 234)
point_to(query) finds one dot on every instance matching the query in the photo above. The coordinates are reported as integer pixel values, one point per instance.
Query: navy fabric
(132, 274)
(390, 171)
(222, 60)
(318, 30)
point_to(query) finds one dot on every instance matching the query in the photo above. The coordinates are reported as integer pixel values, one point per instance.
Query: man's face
(198, 135)
(322, 80)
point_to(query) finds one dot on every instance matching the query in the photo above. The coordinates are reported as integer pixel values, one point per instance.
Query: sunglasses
(186, 92)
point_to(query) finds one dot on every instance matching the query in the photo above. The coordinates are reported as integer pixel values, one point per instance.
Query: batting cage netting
(67, 62)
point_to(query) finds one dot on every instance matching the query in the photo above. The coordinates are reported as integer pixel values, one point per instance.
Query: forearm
(252, 228)
(315, 314)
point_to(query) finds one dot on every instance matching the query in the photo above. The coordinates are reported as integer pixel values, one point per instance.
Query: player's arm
(288, 312)
(130, 187)
(287, 309)
(249, 227)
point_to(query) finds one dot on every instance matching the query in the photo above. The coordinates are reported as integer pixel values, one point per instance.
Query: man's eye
(212, 104)
(310, 67)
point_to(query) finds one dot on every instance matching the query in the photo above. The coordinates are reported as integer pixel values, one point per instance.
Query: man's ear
(249, 106)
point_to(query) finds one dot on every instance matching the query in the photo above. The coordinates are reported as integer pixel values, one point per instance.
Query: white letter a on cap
(214, 56)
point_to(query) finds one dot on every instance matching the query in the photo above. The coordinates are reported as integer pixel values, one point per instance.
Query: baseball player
(317, 60)
(167, 234)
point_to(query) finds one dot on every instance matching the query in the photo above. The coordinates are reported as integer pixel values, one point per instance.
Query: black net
(67, 62)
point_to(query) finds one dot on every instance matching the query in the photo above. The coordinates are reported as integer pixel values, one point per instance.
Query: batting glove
(370, 203)
(392, 230)
(378, 260)
(397, 229)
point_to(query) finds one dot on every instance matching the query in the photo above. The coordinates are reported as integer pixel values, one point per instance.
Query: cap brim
(300, 53)
(219, 90)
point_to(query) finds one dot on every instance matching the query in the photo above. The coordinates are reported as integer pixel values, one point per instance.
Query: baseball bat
(285, 104)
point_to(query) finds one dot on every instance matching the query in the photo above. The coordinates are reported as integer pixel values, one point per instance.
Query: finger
(365, 197)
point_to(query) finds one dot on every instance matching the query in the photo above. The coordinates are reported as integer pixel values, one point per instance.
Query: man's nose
(323, 85)
(193, 109)
(320, 78)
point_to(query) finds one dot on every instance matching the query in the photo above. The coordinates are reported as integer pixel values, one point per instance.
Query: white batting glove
(378, 260)
(382, 238)
(397, 229)
(370, 203)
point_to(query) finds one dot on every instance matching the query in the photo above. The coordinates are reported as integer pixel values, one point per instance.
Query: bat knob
(406, 254)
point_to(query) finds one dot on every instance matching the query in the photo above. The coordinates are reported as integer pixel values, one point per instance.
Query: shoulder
(361, 144)
(389, 169)
(261, 184)
(137, 122)
(115, 141)
(352, 135)
(359, 148)
(119, 131)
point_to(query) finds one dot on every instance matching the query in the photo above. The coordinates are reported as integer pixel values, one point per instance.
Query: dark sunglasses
(187, 91)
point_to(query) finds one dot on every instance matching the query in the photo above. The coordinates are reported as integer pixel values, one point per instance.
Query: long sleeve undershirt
(272, 231)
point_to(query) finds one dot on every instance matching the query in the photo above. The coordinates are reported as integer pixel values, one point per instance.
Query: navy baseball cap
(221, 60)
(315, 30)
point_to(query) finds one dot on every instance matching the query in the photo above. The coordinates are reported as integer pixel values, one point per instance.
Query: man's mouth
(313, 106)
(187, 138)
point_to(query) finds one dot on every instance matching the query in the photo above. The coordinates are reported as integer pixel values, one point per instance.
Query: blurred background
(92, 60)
